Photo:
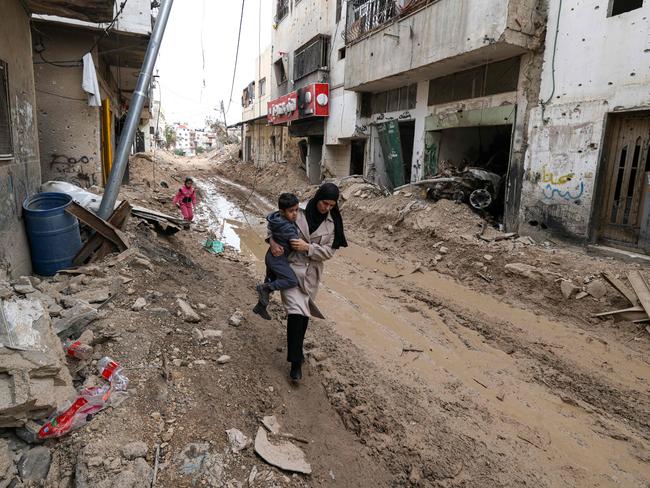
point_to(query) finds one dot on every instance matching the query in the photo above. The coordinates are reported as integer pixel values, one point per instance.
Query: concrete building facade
(74, 136)
(307, 49)
(20, 168)
(263, 143)
(445, 83)
(588, 161)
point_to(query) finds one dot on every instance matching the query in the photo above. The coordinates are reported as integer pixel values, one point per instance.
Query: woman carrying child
(321, 233)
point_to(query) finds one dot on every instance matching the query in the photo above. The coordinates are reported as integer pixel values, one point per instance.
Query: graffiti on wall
(78, 171)
(556, 186)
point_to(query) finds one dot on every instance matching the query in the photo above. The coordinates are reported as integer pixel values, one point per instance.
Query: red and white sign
(310, 101)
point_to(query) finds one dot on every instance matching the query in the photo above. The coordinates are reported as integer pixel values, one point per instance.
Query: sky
(191, 89)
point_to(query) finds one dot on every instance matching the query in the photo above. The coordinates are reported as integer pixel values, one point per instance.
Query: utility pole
(135, 109)
(223, 111)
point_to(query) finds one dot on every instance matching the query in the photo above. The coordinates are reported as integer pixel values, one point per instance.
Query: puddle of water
(224, 217)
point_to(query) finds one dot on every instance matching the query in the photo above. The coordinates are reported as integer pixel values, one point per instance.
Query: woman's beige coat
(309, 267)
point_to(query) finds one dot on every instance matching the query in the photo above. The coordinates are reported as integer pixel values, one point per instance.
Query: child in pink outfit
(185, 199)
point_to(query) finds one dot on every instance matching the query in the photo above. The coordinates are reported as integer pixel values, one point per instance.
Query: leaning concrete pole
(133, 115)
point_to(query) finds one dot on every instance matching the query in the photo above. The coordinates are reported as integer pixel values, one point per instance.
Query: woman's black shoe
(296, 371)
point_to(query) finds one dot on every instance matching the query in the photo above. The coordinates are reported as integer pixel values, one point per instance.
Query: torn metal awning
(88, 10)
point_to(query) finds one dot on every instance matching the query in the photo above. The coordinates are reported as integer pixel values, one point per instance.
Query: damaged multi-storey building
(77, 131)
(445, 85)
(587, 170)
(49, 129)
(548, 100)
(307, 88)
(263, 142)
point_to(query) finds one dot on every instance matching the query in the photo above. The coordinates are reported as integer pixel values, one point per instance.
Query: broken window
(262, 87)
(280, 72)
(618, 7)
(281, 10)
(248, 95)
(488, 79)
(6, 145)
(398, 99)
(311, 57)
(342, 53)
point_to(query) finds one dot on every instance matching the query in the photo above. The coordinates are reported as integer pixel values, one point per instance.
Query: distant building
(263, 143)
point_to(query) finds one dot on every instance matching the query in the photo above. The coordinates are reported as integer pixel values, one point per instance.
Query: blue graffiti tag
(566, 195)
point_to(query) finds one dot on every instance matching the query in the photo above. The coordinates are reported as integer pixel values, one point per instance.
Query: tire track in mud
(630, 406)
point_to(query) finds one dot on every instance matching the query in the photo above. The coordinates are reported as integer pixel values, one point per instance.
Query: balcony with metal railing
(364, 16)
(392, 43)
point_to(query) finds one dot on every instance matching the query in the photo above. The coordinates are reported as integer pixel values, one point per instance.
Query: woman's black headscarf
(327, 191)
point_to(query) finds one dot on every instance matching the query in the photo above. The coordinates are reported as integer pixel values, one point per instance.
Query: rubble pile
(37, 317)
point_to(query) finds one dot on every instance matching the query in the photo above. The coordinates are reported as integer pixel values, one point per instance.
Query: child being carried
(279, 275)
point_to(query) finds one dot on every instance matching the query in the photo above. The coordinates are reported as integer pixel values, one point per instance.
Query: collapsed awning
(88, 10)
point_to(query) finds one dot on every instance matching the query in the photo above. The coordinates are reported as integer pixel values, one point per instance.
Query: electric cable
(557, 32)
(234, 71)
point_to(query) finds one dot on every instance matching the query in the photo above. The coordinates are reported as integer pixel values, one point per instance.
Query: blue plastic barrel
(54, 238)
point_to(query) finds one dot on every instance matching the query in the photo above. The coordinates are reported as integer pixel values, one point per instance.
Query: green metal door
(391, 147)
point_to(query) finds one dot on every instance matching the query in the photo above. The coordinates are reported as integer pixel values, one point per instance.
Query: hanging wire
(234, 71)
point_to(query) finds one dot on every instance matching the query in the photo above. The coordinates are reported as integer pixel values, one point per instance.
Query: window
(6, 145)
(398, 99)
(280, 72)
(489, 79)
(281, 10)
(342, 53)
(339, 5)
(262, 87)
(311, 57)
(618, 7)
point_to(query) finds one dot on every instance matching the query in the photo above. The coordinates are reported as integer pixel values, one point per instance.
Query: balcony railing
(364, 16)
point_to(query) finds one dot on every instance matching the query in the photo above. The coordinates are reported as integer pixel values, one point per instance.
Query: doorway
(624, 218)
(314, 158)
(407, 138)
(248, 150)
(357, 156)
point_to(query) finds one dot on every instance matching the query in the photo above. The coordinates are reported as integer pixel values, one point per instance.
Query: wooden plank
(641, 289)
(98, 224)
(118, 219)
(618, 312)
(621, 287)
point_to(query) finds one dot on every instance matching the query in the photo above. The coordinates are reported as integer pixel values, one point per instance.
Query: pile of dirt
(452, 239)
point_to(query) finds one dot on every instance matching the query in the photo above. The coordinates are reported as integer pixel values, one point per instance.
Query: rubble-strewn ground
(437, 367)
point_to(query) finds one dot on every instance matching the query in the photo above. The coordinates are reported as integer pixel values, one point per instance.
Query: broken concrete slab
(596, 289)
(24, 289)
(7, 468)
(236, 318)
(238, 440)
(34, 465)
(530, 272)
(272, 424)
(284, 455)
(88, 296)
(134, 450)
(188, 313)
(569, 289)
(139, 304)
(73, 321)
(34, 384)
(211, 334)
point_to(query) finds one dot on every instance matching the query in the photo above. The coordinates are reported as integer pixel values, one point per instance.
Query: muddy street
(452, 386)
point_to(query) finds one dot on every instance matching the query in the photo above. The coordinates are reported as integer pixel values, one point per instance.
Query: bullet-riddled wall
(69, 129)
(20, 174)
(599, 66)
